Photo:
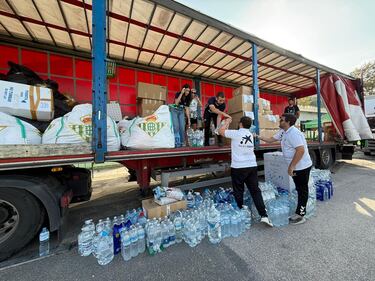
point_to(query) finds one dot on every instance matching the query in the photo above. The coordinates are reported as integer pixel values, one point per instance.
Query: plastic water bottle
(133, 240)
(165, 234)
(117, 226)
(214, 229)
(85, 239)
(141, 240)
(247, 216)
(190, 200)
(178, 228)
(44, 242)
(171, 233)
(326, 194)
(105, 249)
(198, 199)
(125, 246)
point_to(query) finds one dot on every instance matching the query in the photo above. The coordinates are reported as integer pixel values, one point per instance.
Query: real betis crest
(83, 130)
(151, 125)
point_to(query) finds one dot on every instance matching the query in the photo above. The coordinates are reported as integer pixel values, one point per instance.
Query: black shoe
(297, 219)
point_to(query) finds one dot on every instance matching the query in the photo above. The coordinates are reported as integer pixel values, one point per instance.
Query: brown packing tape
(34, 105)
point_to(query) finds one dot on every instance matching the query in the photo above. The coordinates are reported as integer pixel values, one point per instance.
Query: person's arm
(300, 150)
(199, 101)
(218, 112)
(275, 138)
(178, 98)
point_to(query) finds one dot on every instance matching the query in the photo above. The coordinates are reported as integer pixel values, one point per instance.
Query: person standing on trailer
(244, 165)
(179, 110)
(292, 108)
(195, 105)
(214, 111)
(296, 154)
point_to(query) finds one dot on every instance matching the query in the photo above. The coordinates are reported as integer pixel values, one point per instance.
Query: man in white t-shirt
(244, 166)
(296, 154)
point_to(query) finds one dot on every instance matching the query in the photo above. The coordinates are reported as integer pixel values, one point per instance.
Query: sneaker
(297, 219)
(266, 221)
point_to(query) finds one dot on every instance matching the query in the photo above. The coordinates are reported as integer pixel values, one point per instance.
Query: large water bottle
(141, 240)
(326, 194)
(171, 233)
(223, 223)
(247, 216)
(190, 200)
(198, 199)
(85, 239)
(105, 249)
(125, 246)
(214, 229)
(133, 240)
(190, 133)
(117, 226)
(227, 225)
(142, 219)
(44, 242)
(165, 234)
(178, 227)
(99, 228)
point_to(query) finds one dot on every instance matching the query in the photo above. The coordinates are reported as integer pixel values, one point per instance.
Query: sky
(337, 33)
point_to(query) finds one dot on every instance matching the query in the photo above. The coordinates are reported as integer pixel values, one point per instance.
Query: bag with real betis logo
(154, 131)
(76, 128)
(16, 131)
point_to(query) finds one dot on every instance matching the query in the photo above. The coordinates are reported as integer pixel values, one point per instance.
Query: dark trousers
(249, 176)
(301, 180)
(207, 122)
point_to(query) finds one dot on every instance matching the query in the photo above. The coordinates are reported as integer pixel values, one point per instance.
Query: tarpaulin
(342, 101)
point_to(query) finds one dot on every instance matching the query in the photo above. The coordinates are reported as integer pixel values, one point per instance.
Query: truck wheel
(326, 159)
(21, 217)
(313, 157)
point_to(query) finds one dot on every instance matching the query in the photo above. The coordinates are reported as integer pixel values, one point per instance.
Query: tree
(367, 73)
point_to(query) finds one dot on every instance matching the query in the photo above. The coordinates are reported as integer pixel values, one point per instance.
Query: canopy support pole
(99, 91)
(319, 101)
(255, 90)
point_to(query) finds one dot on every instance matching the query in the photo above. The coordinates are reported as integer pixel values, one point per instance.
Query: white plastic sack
(154, 131)
(16, 131)
(76, 128)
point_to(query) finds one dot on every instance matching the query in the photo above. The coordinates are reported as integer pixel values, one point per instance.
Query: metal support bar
(319, 101)
(99, 112)
(254, 61)
(197, 86)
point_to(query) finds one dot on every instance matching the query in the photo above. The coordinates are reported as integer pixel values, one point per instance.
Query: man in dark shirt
(214, 108)
(292, 108)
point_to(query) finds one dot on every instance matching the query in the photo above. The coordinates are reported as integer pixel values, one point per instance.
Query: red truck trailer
(159, 42)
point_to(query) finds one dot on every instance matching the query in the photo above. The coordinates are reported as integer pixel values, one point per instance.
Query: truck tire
(21, 216)
(326, 158)
(313, 157)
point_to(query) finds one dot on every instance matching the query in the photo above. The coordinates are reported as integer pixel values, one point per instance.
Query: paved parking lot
(337, 244)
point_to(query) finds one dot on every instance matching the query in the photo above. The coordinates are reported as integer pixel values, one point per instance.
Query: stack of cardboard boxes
(242, 105)
(149, 98)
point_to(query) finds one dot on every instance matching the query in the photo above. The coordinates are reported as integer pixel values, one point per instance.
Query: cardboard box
(27, 101)
(243, 90)
(151, 91)
(148, 107)
(153, 210)
(236, 117)
(268, 121)
(264, 105)
(240, 103)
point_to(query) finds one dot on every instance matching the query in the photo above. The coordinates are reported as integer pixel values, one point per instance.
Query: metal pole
(255, 90)
(99, 91)
(319, 105)
(197, 86)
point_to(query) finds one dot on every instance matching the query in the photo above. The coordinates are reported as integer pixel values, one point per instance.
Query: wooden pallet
(43, 150)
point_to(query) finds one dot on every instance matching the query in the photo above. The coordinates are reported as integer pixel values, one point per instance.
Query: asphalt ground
(338, 243)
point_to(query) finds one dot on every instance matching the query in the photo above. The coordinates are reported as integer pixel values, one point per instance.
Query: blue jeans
(178, 121)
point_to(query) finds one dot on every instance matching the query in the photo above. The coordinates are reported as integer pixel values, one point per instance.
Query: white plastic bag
(16, 131)
(154, 131)
(76, 128)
